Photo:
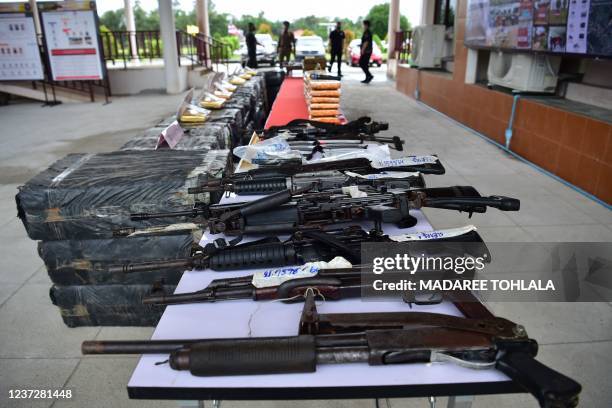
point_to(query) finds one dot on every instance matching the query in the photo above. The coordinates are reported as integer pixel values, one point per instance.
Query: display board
(555, 26)
(19, 52)
(71, 37)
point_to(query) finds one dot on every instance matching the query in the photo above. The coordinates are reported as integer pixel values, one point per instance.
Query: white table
(246, 318)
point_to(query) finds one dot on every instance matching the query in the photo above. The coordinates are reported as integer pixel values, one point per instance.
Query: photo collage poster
(558, 26)
(503, 23)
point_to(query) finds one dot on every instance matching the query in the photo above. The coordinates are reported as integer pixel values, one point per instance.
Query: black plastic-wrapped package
(232, 117)
(107, 305)
(90, 195)
(273, 81)
(213, 136)
(87, 262)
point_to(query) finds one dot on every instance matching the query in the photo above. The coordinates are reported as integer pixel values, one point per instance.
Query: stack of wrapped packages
(322, 98)
(80, 208)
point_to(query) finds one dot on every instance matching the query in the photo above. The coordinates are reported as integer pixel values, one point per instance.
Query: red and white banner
(72, 44)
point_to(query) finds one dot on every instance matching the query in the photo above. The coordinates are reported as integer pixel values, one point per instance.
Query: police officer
(336, 42)
(366, 52)
(251, 43)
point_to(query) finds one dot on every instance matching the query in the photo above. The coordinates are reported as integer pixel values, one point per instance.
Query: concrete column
(427, 11)
(203, 24)
(393, 27)
(34, 9)
(168, 36)
(130, 25)
(202, 16)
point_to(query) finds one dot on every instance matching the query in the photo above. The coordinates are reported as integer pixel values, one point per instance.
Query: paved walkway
(38, 351)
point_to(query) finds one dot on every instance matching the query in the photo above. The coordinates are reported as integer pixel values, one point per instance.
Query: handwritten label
(404, 161)
(383, 175)
(274, 277)
(431, 235)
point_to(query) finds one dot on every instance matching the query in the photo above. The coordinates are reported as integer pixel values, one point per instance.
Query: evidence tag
(404, 161)
(276, 276)
(429, 235)
(383, 175)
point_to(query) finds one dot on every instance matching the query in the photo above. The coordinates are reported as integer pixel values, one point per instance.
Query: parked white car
(309, 46)
(266, 52)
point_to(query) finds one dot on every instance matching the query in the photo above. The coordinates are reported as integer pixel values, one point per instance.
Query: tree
(311, 23)
(379, 20)
(217, 21)
(113, 20)
(145, 21)
(183, 19)
(307, 33)
(264, 28)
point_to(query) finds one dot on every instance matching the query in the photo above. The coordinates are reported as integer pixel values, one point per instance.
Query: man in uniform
(336, 42)
(366, 52)
(251, 43)
(286, 44)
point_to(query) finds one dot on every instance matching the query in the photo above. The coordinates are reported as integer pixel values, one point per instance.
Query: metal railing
(403, 43)
(125, 46)
(121, 47)
(202, 50)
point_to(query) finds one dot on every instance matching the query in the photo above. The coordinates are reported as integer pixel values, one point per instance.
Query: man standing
(366, 52)
(251, 43)
(336, 42)
(286, 44)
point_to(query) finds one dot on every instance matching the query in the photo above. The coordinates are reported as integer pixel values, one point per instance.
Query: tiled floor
(38, 351)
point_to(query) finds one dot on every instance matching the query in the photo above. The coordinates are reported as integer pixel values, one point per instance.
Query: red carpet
(289, 103)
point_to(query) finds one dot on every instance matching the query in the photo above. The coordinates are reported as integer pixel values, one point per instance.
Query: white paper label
(404, 161)
(383, 175)
(170, 135)
(276, 276)
(429, 235)
(354, 192)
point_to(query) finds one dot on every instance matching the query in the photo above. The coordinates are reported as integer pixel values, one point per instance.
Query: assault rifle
(362, 129)
(303, 246)
(293, 167)
(275, 213)
(479, 340)
(331, 283)
(319, 181)
(307, 245)
(330, 148)
(289, 167)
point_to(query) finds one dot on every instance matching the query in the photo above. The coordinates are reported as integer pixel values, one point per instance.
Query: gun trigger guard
(438, 357)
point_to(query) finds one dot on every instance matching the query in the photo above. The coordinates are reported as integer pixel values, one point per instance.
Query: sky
(293, 10)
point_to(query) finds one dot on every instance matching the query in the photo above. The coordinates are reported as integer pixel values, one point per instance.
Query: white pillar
(203, 24)
(34, 9)
(394, 26)
(168, 36)
(427, 12)
(130, 25)
(202, 17)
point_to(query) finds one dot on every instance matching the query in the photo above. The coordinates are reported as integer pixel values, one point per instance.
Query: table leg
(460, 401)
